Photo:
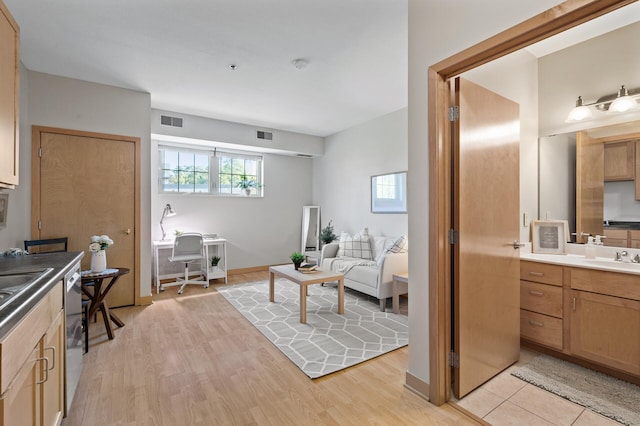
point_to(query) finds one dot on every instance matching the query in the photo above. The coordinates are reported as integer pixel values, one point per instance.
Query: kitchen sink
(14, 284)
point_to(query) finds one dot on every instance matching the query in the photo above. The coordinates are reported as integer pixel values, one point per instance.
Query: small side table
(100, 291)
(400, 285)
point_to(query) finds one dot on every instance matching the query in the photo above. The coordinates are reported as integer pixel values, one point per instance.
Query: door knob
(127, 231)
(517, 244)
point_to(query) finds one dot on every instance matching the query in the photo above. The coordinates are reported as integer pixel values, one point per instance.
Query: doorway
(87, 184)
(554, 21)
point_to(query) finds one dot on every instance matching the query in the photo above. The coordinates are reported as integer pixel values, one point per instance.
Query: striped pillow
(399, 246)
(355, 245)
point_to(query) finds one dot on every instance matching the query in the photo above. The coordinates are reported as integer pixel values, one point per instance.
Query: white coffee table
(304, 280)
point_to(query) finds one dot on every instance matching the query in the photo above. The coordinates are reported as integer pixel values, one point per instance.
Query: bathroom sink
(13, 285)
(614, 264)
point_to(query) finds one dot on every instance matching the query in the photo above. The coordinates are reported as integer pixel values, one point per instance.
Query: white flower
(100, 243)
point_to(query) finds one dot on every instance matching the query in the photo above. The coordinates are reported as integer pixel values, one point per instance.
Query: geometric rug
(328, 342)
(603, 394)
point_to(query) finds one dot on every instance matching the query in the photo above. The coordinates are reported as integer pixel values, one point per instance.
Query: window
(389, 193)
(216, 172)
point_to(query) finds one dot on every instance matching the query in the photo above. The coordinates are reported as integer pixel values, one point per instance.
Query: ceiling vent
(304, 155)
(167, 120)
(265, 135)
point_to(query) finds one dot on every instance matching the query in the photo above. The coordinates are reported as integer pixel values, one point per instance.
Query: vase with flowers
(98, 254)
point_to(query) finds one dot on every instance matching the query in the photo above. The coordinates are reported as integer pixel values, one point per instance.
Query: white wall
(79, 105)
(558, 178)
(516, 78)
(342, 177)
(620, 202)
(259, 231)
(438, 30)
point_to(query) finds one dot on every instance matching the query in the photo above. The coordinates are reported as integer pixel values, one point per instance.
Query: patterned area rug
(603, 394)
(328, 342)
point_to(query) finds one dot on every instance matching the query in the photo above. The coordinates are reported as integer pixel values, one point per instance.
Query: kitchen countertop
(576, 260)
(612, 224)
(61, 263)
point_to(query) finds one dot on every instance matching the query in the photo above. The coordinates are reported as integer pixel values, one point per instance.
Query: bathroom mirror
(310, 229)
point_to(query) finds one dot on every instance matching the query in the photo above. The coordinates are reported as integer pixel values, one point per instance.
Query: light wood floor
(192, 359)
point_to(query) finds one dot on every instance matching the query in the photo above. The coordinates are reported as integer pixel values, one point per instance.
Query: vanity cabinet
(616, 237)
(9, 97)
(634, 239)
(619, 161)
(541, 308)
(32, 366)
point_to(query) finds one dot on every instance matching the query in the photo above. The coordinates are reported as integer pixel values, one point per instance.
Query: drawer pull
(537, 274)
(536, 293)
(46, 370)
(536, 323)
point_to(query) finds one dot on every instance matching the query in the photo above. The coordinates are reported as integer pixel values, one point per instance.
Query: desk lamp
(167, 212)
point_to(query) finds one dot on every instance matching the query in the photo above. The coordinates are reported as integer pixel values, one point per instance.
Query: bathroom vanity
(583, 310)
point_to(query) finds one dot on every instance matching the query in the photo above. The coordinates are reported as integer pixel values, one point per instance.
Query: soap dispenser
(590, 248)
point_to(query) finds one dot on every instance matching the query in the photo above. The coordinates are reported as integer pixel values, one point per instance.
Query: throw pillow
(355, 245)
(399, 246)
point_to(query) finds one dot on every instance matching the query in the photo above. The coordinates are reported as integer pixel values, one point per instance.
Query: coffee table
(304, 280)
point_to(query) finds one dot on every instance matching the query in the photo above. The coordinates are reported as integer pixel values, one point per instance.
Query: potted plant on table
(97, 247)
(247, 183)
(214, 262)
(297, 259)
(326, 235)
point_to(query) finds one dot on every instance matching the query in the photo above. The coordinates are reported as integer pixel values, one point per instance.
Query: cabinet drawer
(540, 328)
(541, 298)
(541, 272)
(610, 283)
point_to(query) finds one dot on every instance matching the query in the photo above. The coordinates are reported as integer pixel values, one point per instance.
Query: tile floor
(507, 400)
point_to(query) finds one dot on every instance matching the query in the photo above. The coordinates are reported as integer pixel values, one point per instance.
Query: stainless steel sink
(14, 284)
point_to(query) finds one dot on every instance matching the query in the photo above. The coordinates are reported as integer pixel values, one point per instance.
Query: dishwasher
(74, 335)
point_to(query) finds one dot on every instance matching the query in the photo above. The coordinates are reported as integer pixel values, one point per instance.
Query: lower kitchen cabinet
(606, 330)
(32, 380)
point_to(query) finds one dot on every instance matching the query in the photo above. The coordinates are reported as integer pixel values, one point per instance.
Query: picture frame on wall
(549, 236)
(389, 193)
(4, 208)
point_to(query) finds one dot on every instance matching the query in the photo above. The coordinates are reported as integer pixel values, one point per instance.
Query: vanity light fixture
(622, 101)
(167, 212)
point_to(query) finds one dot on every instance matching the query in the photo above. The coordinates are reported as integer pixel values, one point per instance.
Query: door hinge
(454, 113)
(453, 236)
(39, 224)
(454, 360)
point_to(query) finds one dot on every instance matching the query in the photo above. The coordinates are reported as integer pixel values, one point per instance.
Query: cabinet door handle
(537, 274)
(536, 293)
(53, 355)
(46, 370)
(573, 302)
(536, 323)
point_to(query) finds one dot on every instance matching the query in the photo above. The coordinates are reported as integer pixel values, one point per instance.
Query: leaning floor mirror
(310, 228)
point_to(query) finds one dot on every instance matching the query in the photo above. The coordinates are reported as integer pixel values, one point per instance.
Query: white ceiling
(180, 53)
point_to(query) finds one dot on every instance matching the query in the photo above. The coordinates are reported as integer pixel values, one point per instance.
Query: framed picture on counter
(549, 236)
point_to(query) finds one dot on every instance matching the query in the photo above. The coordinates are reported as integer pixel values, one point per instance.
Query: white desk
(212, 247)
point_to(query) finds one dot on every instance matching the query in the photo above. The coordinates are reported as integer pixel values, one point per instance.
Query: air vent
(167, 120)
(304, 155)
(265, 135)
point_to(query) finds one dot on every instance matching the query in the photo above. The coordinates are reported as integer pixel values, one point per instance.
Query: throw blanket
(344, 265)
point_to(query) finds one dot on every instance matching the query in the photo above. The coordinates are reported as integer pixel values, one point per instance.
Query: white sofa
(373, 277)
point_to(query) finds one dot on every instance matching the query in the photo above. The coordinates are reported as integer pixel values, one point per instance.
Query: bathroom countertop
(579, 261)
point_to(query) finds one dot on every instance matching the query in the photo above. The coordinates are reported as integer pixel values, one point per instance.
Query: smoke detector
(300, 63)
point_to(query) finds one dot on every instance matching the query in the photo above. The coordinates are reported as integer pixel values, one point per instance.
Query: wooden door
(589, 186)
(85, 184)
(486, 292)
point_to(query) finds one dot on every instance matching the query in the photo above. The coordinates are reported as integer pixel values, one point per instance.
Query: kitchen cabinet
(9, 97)
(619, 161)
(541, 308)
(637, 181)
(634, 239)
(32, 366)
(616, 237)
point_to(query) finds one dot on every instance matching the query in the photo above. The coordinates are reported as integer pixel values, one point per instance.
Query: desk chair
(43, 246)
(188, 248)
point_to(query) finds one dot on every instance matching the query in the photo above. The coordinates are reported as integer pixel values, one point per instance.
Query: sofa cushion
(354, 269)
(399, 246)
(356, 245)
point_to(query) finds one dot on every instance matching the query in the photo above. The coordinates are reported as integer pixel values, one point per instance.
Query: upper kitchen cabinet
(9, 96)
(619, 161)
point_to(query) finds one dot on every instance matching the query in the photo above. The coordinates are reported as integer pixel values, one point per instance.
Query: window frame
(214, 169)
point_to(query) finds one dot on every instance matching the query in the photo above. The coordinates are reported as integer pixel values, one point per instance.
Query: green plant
(246, 182)
(215, 260)
(326, 235)
(297, 258)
